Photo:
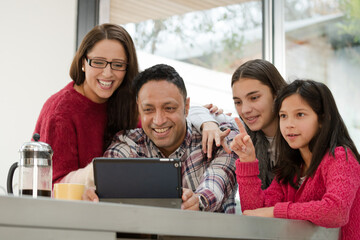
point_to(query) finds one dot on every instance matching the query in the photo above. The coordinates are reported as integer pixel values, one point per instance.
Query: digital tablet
(142, 181)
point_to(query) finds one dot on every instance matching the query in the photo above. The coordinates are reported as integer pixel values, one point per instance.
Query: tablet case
(142, 181)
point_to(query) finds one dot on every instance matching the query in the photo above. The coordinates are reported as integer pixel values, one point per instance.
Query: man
(208, 185)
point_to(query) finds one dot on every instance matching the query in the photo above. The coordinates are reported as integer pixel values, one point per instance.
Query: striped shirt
(214, 179)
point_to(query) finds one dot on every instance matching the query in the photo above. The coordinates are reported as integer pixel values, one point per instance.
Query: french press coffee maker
(35, 169)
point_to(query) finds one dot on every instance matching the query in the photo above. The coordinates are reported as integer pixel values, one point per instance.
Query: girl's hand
(211, 134)
(242, 144)
(260, 212)
(215, 110)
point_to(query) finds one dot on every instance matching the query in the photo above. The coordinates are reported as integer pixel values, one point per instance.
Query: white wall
(37, 44)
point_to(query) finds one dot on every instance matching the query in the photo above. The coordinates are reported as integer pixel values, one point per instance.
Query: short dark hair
(159, 72)
(333, 131)
(261, 70)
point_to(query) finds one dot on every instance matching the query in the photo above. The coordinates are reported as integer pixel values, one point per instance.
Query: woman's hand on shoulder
(242, 144)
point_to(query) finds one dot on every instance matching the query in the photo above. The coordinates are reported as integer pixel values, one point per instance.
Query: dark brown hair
(122, 112)
(333, 132)
(261, 70)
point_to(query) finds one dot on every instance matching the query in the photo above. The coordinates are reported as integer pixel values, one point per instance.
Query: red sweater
(331, 198)
(74, 127)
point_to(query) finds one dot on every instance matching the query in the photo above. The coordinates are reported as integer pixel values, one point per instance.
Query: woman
(79, 121)
(254, 86)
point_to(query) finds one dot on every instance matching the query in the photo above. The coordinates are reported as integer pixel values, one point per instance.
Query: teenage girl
(255, 85)
(317, 175)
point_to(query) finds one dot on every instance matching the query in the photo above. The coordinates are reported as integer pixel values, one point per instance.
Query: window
(204, 40)
(323, 44)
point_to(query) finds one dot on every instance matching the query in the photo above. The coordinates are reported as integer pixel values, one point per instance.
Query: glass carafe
(35, 169)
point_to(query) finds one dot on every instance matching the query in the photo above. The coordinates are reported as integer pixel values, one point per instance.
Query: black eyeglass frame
(89, 61)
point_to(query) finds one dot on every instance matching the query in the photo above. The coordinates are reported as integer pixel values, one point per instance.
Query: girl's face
(254, 103)
(298, 122)
(100, 83)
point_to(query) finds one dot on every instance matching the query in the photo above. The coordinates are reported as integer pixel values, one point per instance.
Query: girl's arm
(247, 171)
(342, 181)
(251, 194)
(199, 115)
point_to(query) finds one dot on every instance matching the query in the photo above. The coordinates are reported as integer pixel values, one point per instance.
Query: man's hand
(211, 133)
(260, 212)
(90, 195)
(242, 144)
(190, 200)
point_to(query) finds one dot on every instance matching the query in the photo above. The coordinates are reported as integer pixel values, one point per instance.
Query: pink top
(331, 198)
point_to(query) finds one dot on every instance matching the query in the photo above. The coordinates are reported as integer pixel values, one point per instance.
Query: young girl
(255, 85)
(317, 176)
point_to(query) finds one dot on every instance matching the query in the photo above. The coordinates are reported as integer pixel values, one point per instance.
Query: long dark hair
(333, 132)
(122, 111)
(267, 74)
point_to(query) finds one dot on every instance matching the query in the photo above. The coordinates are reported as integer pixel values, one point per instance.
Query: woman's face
(254, 103)
(100, 83)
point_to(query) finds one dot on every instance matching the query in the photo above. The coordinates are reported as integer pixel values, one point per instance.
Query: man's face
(163, 114)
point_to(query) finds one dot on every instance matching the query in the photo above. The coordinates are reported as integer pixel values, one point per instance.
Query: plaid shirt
(214, 179)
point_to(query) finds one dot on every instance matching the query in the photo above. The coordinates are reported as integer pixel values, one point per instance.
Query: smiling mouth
(292, 135)
(161, 130)
(252, 119)
(105, 84)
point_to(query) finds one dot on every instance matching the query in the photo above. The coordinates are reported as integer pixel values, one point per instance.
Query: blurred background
(204, 40)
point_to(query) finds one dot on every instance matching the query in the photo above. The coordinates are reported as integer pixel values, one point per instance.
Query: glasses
(99, 63)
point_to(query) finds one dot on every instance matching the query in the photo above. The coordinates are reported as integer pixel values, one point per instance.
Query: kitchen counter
(43, 218)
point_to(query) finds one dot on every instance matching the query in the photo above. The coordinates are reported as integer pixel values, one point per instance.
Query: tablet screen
(137, 178)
